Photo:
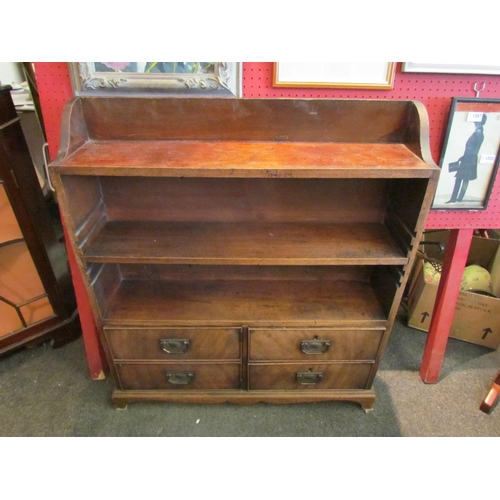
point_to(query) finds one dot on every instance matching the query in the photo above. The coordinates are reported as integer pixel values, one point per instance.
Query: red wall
(433, 90)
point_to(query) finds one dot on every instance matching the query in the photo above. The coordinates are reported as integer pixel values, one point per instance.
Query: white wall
(11, 72)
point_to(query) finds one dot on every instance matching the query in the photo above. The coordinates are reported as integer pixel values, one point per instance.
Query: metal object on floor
(491, 397)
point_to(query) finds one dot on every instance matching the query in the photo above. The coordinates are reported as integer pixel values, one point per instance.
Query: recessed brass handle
(309, 378)
(315, 346)
(180, 378)
(174, 346)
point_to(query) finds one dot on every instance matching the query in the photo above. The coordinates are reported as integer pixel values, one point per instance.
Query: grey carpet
(48, 392)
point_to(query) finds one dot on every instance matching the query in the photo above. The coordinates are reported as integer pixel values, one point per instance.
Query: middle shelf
(243, 243)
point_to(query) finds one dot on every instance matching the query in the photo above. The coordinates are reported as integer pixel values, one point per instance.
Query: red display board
(435, 91)
(54, 87)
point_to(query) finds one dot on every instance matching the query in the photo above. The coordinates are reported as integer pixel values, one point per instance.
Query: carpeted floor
(48, 392)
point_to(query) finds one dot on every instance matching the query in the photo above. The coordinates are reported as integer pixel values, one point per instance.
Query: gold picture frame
(348, 75)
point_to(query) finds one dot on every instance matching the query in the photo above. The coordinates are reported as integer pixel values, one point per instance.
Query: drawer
(177, 376)
(314, 344)
(174, 343)
(309, 376)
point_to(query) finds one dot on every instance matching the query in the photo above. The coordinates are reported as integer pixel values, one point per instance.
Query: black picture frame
(470, 155)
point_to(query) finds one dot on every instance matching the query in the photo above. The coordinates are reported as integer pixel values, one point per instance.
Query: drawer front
(179, 376)
(314, 344)
(174, 343)
(309, 376)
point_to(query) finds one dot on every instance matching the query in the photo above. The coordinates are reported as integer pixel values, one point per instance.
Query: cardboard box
(477, 317)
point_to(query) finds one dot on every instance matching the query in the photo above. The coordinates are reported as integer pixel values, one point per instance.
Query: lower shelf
(261, 302)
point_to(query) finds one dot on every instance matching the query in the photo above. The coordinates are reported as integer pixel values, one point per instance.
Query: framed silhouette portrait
(469, 159)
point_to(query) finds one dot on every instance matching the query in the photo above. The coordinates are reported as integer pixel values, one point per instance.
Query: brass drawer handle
(174, 346)
(315, 346)
(180, 378)
(309, 378)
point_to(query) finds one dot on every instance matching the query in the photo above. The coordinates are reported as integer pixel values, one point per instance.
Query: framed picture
(492, 68)
(218, 79)
(469, 159)
(355, 75)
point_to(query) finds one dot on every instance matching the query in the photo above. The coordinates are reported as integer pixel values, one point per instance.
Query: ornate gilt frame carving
(225, 81)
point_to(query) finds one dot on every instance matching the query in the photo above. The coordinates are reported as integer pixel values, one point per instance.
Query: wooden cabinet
(37, 301)
(244, 250)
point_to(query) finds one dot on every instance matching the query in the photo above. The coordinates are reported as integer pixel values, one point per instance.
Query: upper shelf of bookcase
(191, 137)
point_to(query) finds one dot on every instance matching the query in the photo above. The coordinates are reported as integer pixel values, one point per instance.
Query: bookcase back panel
(247, 119)
(259, 200)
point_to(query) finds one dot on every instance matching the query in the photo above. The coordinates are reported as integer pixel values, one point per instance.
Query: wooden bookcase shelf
(244, 250)
(247, 159)
(248, 243)
(242, 302)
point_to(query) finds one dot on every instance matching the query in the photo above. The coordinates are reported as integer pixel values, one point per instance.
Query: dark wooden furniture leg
(492, 396)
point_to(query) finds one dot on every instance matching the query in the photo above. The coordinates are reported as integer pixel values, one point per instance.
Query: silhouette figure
(466, 166)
